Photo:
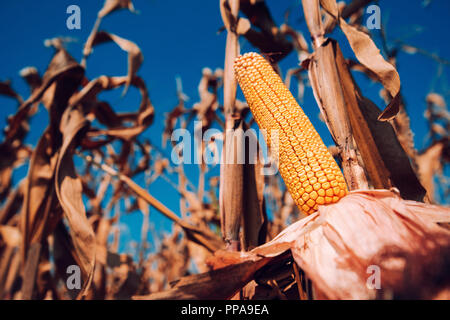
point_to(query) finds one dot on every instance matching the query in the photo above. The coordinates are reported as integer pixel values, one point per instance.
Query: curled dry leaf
(135, 56)
(228, 18)
(205, 109)
(69, 191)
(108, 7)
(105, 114)
(368, 55)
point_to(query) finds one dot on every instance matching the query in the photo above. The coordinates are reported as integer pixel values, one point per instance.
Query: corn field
(355, 208)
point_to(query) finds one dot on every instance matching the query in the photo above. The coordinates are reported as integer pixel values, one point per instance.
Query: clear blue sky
(180, 38)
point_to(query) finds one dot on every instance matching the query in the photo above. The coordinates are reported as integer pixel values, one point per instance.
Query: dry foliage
(60, 214)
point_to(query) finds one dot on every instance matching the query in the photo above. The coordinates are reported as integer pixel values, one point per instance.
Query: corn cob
(310, 172)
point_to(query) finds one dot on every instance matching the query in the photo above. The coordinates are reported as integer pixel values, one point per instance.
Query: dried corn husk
(337, 247)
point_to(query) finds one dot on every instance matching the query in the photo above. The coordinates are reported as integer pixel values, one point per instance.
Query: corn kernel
(329, 192)
(320, 200)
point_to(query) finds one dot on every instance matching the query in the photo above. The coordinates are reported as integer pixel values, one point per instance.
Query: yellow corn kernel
(329, 192)
(310, 172)
(311, 203)
(320, 200)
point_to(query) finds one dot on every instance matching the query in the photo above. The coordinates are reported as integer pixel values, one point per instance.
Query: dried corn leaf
(368, 55)
(222, 283)
(39, 193)
(64, 255)
(14, 154)
(69, 191)
(9, 272)
(66, 74)
(135, 56)
(201, 236)
(394, 157)
(108, 7)
(383, 156)
(7, 90)
(333, 86)
(10, 240)
(266, 36)
(32, 77)
(63, 76)
(429, 164)
(12, 204)
(140, 119)
(113, 5)
(254, 215)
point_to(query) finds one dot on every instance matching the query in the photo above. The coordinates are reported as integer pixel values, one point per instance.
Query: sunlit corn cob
(310, 172)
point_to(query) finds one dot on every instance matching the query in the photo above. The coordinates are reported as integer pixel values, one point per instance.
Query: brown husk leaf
(336, 245)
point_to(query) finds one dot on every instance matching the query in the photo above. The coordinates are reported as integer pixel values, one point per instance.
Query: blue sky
(180, 38)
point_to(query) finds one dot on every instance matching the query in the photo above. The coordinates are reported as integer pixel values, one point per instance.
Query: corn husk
(336, 245)
(337, 248)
